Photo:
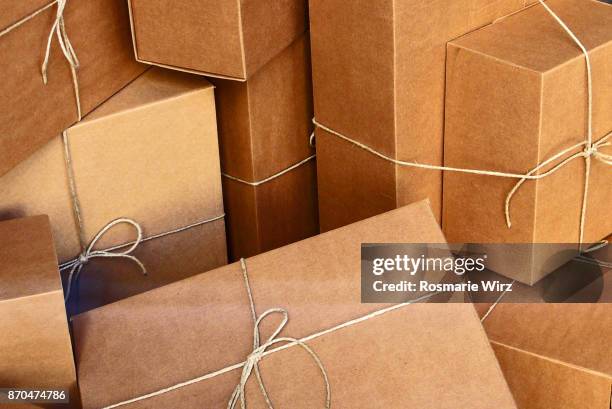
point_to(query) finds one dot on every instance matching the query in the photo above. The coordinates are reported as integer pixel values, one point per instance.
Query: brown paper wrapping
(509, 107)
(220, 38)
(378, 74)
(149, 154)
(264, 126)
(35, 348)
(203, 324)
(32, 113)
(555, 355)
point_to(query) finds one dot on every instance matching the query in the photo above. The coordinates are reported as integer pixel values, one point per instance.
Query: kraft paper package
(517, 96)
(148, 157)
(35, 347)
(204, 324)
(381, 84)
(32, 113)
(569, 367)
(269, 169)
(218, 38)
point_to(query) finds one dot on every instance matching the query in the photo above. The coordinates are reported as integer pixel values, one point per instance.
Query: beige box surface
(149, 154)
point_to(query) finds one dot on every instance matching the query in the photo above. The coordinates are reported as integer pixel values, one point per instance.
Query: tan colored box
(31, 113)
(149, 154)
(264, 129)
(156, 340)
(554, 355)
(35, 347)
(219, 38)
(378, 74)
(516, 96)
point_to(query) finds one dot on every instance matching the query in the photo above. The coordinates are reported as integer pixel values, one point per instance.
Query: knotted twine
(87, 250)
(278, 174)
(58, 28)
(260, 351)
(590, 149)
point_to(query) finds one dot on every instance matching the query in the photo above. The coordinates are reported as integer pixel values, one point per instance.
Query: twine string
(58, 29)
(311, 143)
(252, 362)
(76, 265)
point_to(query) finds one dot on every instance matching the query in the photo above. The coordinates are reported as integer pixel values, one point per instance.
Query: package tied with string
(35, 347)
(195, 343)
(519, 102)
(269, 175)
(80, 48)
(143, 166)
(378, 76)
(218, 38)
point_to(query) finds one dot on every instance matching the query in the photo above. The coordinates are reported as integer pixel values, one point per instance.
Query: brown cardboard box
(31, 113)
(517, 95)
(264, 125)
(220, 38)
(378, 74)
(35, 348)
(203, 324)
(554, 355)
(149, 154)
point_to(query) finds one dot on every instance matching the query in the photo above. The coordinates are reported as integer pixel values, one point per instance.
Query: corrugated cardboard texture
(226, 38)
(378, 73)
(554, 355)
(516, 95)
(264, 125)
(202, 324)
(32, 113)
(35, 348)
(149, 154)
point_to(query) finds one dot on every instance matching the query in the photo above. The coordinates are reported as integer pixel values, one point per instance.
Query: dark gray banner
(518, 273)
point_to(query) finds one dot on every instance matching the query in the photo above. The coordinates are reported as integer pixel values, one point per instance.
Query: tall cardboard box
(149, 154)
(378, 75)
(32, 113)
(129, 349)
(35, 347)
(218, 38)
(517, 95)
(264, 129)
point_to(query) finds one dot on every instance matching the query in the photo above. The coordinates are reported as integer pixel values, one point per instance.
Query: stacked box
(378, 76)
(35, 347)
(317, 282)
(32, 113)
(149, 154)
(264, 129)
(219, 38)
(516, 96)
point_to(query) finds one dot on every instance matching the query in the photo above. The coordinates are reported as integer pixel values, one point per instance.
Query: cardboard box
(31, 113)
(381, 83)
(217, 38)
(204, 324)
(35, 347)
(149, 154)
(554, 355)
(510, 106)
(264, 129)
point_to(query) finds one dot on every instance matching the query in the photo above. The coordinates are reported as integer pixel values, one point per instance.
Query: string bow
(76, 265)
